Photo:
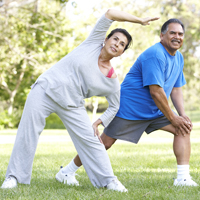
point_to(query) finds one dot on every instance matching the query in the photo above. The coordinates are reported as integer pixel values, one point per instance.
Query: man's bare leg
(181, 145)
(182, 150)
(107, 141)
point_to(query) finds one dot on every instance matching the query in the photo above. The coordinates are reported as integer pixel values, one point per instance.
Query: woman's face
(116, 44)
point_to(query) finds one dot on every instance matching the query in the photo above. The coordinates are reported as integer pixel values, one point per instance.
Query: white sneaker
(68, 179)
(9, 182)
(116, 185)
(185, 182)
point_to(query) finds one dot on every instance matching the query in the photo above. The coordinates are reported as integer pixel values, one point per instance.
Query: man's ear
(161, 36)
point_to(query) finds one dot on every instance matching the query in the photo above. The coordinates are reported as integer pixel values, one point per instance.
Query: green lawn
(146, 169)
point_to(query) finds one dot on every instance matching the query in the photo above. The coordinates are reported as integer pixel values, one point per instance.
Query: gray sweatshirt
(77, 75)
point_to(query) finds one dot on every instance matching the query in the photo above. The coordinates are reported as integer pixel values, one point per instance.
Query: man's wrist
(172, 117)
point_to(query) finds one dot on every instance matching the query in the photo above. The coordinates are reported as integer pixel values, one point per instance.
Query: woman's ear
(105, 40)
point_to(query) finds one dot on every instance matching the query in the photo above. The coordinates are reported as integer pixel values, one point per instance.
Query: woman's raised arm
(121, 16)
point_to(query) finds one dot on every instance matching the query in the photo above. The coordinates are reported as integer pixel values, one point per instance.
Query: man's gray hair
(166, 24)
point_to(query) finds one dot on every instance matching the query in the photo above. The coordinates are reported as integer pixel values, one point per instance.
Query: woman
(61, 90)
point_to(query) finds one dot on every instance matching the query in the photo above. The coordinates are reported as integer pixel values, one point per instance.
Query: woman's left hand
(96, 130)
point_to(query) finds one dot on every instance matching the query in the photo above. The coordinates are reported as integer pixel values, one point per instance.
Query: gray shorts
(132, 130)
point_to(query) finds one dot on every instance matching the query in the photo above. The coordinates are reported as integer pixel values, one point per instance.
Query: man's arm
(178, 102)
(180, 123)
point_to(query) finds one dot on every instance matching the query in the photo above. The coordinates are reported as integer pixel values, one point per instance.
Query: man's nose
(177, 35)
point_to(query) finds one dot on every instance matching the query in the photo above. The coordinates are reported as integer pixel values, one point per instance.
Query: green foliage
(4, 120)
(194, 115)
(54, 122)
(31, 41)
(36, 35)
(9, 121)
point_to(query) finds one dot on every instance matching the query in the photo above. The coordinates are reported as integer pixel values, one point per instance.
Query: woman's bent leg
(92, 153)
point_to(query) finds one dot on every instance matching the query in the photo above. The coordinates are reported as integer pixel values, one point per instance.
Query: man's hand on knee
(182, 125)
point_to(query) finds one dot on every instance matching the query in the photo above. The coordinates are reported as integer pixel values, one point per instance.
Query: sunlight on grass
(147, 170)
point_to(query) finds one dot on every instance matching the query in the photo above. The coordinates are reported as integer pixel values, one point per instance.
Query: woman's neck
(104, 57)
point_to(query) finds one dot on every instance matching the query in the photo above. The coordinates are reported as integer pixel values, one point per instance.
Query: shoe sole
(58, 179)
(182, 185)
(8, 187)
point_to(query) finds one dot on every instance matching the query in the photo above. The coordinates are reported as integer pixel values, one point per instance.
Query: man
(156, 75)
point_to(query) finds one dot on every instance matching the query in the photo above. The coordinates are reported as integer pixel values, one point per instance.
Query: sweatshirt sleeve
(114, 102)
(99, 31)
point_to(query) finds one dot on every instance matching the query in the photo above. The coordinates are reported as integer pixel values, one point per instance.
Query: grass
(146, 169)
(194, 115)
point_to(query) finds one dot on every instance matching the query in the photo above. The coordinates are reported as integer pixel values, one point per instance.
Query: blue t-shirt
(155, 66)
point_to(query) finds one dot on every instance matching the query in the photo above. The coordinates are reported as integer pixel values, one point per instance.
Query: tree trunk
(10, 108)
(95, 107)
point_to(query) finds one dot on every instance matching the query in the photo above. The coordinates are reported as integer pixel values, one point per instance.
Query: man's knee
(170, 128)
(107, 141)
(107, 145)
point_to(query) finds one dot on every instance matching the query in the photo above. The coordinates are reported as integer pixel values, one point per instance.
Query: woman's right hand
(122, 16)
(96, 130)
(147, 20)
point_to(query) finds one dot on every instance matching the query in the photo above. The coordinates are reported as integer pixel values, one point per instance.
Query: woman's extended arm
(121, 16)
(109, 114)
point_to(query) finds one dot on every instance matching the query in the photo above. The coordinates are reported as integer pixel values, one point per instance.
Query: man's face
(172, 40)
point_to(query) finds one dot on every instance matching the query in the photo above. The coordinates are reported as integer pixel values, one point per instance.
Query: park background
(35, 34)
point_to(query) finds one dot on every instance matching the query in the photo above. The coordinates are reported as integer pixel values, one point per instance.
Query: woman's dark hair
(123, 31)
(166, 24)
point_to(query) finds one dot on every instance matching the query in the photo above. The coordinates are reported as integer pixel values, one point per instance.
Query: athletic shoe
(185, 182)
(116, 185)
(9, 182)
(68, 179)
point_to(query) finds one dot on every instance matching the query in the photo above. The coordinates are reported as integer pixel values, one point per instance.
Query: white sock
(183, 172)
(70, 168)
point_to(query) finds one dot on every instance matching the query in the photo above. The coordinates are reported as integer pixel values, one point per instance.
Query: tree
(32, 39)
(37, 33)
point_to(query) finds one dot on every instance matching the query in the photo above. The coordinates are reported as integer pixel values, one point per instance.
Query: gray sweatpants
(92, 153)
